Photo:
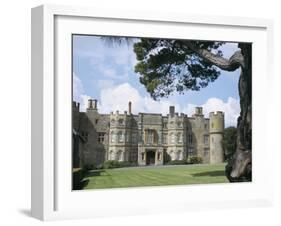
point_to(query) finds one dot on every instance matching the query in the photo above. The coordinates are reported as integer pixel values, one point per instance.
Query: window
(189, 139)
(120, 136)
(97, 121)
(180, 155)
(112, 137)
(150, 136)
(164, 138)
(205, 126)
(179, 137)
(121, 122)
(111, 155)
(206, 139)
(179, 125)
(165, 125)
(127, 137)
(119, 156)
(172, 137)
(101, 137)
(190, 151)
(206, 151)
(134, 137)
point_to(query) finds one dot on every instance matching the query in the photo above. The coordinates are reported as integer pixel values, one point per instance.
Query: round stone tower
(216, 134)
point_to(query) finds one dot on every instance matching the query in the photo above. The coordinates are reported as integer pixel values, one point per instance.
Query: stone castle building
(146, 138)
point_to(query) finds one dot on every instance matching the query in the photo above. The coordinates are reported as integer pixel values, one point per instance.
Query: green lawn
(155, 176)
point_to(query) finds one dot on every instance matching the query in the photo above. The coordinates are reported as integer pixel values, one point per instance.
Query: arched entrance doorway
(150, 157)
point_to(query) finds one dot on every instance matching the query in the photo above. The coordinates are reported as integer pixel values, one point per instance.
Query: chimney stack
(95, 103)
(198, 111)
(172, 111)
(90, 104)
(130, 107)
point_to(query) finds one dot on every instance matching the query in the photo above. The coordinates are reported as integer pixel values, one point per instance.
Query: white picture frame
(52, 197)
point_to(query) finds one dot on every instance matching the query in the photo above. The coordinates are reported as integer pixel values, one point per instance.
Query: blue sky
(106, 72)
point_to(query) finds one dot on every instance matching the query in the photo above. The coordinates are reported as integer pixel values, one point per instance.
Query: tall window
(179, 138)
(134, 137)
(112, 137)
(165, 125)
(120, 136)
(172, 137)
(164, 138)
(119, 156)
(179, 124)
(150, 136)
(121, 122)
(101, 137)
(190, 139)
(127, 137)
(111, 155)
(206, 151)
(206, 139)
(190, 151)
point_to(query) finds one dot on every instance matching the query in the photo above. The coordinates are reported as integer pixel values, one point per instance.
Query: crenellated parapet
(216, 122)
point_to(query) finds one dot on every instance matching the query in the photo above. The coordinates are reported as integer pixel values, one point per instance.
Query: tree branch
(231, 64)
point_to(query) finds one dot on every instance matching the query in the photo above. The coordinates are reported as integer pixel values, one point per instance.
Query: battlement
(216, 114)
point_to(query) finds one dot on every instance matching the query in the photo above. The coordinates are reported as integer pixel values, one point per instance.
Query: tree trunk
(239, 168)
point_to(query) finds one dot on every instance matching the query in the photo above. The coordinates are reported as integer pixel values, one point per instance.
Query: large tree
(166, 66)
(229, 142)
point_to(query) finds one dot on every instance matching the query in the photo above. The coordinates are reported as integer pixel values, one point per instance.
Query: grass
(155, 176)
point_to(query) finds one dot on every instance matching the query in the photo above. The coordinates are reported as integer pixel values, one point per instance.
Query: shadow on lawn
(210, 174)
(80, 178)
(94, 173)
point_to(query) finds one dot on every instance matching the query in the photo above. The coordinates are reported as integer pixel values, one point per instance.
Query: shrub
(194, 160)
(127, 164)
(111, 164)
(176, 162)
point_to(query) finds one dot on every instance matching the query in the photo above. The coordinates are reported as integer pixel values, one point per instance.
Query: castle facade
(146, 138)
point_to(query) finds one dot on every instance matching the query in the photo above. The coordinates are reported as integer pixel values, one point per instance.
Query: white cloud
(117, 98)
(231, 109)
(79, 93)
(105, 84)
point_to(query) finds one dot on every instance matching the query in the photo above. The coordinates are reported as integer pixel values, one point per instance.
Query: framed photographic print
(153, 112)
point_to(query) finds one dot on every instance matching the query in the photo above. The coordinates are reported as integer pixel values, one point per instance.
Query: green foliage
(194, 160)
(229, 142)
(110, 164)
(176, 162)
(167, 65)
(127, 164)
